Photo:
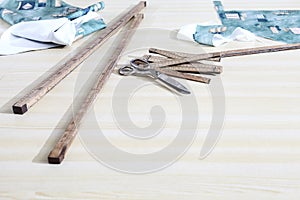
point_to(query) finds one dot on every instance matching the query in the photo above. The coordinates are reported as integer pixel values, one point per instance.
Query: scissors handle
(140, 64)
(137, 66)
(127, 71)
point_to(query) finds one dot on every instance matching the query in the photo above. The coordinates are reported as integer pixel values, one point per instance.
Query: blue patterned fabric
(15, 11)
(278, 25)
(205, 34)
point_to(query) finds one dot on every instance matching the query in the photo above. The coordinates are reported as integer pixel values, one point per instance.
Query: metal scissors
(141, 67)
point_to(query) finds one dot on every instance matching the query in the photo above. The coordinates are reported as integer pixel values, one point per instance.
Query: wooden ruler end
(57, 158)
(20, 110)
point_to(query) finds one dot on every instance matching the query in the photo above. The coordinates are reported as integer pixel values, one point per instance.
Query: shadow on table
(42, 156)
(6, 108)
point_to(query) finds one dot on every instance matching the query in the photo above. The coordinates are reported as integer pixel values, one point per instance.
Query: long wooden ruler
(185, 76)
(175, 54)
(183, 60)
(191, 67)
(259, 50)
(225, 54)
(57, 155)
(66, 66)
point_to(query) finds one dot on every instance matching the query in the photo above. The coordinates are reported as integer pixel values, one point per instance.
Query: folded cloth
(10, 44)
(214, 35)
(60, 31)
(16, 11)
(48, 33)
(44, 34)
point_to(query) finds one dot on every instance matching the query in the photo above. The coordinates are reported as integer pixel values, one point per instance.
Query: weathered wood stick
(196, 67)
(58, 153)
(259, 50)
(66, 66)
(181, 60)
(152, 58)
(184, 75)
(175, 54)
(232, 53)
(159, 67)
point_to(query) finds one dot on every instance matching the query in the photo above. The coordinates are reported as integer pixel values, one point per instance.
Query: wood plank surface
(256, 157)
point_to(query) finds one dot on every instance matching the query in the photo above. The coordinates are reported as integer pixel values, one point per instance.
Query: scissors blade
(173, 83)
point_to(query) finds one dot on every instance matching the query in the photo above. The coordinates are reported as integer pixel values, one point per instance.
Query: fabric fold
(46, 33)
(214, 35)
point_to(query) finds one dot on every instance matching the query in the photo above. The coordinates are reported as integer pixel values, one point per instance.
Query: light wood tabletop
(142, 141)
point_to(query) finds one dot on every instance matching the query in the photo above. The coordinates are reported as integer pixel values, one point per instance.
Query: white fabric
(186, 32)
(10, 44)
(59, 31)
(239, 34)
(42, 34)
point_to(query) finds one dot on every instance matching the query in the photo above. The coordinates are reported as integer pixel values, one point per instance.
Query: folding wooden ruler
(186, 58)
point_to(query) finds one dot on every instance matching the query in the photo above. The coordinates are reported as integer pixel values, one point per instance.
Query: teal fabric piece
(205, 34)
(278, 25)
(90, 27)
(15, 11)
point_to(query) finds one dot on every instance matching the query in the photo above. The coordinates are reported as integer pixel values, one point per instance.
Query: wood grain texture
(257, 156)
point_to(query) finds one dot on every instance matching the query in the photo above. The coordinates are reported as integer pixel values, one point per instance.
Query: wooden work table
(257, 154)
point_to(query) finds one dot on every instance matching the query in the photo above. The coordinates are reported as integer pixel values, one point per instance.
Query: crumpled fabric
(278, 25)
(209, 35)
(47, 32)
(243, 25)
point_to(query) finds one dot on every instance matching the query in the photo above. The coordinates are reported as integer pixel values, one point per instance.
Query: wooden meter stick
(174, 54)
(185, 76)
(66, 66)
(259, 50)
(191, 67)
(58, 153)
(226, 54)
